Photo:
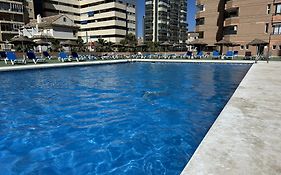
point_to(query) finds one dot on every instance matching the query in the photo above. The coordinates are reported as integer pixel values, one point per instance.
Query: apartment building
(240, 21)
(60, 27)
(165, 20)
(111, 20)
(13, 15)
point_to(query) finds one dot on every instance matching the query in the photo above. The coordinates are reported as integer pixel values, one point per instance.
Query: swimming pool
(137, 118)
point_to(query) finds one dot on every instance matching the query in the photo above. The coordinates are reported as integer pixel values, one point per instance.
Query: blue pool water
(131, 119)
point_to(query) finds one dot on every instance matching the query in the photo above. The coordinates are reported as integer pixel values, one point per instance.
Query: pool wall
(71, 64)
(56, 65)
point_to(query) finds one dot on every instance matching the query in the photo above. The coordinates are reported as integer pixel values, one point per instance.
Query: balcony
(276, 18)
(231, 4)
(277, 1)
(231, 21)
(230, 30)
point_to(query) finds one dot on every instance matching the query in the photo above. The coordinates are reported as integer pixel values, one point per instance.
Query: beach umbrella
(117, 45)
(43, 37)
(226, 43)
(69, 43)
(129, 46)
(41, 42)
(166, 44)
(141, 45)
(23, 40)
(198, 43)
(176, 46)
(259, 44)
(223, 43)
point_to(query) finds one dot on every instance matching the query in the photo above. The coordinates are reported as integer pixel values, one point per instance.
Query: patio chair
(47, 55)
(235, 53)
(64, 57)
(146, 56)
(229, 55)
(3, 55)
(77, 57)
(248, 56)
(216, 55)
(199, 55)
(188, 55)
(30, 55)
(11, 56)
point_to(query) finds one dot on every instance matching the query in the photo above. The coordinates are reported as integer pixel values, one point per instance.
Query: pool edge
(58, 65)
(72, 64)
(235, 143)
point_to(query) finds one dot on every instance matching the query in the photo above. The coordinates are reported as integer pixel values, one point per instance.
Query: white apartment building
(111, 20)
(13, 15)
(59, 27)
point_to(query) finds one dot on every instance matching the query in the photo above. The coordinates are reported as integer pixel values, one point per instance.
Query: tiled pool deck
(246, 137)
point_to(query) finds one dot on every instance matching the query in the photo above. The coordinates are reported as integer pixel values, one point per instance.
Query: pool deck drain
(246, 137)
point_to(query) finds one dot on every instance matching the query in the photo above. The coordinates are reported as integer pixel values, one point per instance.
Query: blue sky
(191, 14)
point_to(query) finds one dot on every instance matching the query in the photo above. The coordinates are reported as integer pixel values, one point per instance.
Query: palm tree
(55, 45)
(101, 43)
(131, 40)
(123, 42)
(153, 46)
(81, 45)
(109, 46)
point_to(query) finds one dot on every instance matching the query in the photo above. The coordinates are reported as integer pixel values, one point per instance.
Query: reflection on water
(110, 119)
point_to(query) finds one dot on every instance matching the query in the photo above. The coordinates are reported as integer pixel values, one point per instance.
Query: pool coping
(224, 150)
(88, 63)
(195, 61)
(245, 138)
(57, 65)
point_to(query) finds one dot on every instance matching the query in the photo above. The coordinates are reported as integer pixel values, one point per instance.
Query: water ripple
(141, 119)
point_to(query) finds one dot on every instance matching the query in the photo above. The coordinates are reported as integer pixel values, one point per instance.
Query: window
(278, 9)
(64, 19)
(232, 13)
(91, 13)
(230, 30)
(274, 47)
(200, 7)
(241, 47)
(201, 35)
(279, 47)
(200, 21)
(277, 29)
(247, 47)
(268, 8)
(266, 28)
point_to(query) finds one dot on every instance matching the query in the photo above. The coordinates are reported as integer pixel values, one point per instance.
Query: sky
(190, 20)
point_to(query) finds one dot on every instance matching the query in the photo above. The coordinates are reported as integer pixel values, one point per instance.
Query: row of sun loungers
(64, 57)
